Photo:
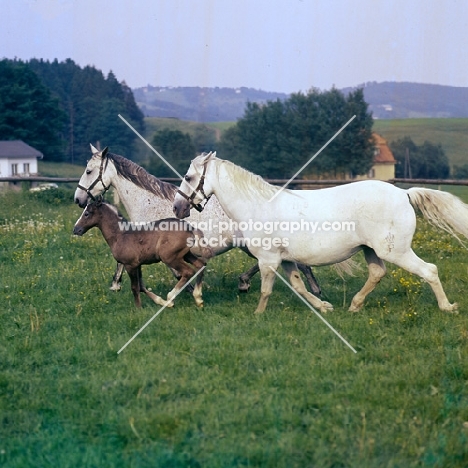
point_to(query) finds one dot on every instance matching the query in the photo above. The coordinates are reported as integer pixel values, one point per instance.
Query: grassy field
(220, 387)
(452, 134)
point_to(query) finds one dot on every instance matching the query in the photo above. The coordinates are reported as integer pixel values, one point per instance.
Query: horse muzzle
(78, 231)
(181, 208)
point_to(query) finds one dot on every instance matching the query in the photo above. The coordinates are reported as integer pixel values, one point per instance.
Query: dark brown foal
(170, 241)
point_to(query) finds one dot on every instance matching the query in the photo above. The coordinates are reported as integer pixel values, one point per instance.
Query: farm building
(383, 167)
(384, 161)
(18, 159)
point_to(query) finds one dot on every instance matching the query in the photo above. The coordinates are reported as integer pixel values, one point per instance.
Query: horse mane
(140, 177)
(114, 209)
(252, 185)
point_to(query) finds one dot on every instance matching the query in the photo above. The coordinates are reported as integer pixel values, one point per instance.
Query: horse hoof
(243, 287)
(116, 287)
(452, 309)
(326, 307)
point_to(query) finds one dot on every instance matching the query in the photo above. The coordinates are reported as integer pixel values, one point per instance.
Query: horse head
(195, 187)
(96, 178)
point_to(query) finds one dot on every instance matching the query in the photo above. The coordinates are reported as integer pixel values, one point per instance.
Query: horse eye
(88, 171)
(86, 214)
(187, 178)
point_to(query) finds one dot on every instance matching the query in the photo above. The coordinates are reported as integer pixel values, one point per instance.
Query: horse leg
(185, 272)
(429, 273)
(244, 279)
(154, 297)
(267, 272)
(291, 269)
(377, 270)
(176, 274)
(197, 290)
(311, 280)
(117, 278)
(135, 274)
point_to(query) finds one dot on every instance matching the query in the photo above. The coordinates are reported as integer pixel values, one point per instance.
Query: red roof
(383, 155)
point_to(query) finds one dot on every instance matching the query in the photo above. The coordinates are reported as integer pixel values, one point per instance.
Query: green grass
(53, 169)
(220, 387)
(452, 134)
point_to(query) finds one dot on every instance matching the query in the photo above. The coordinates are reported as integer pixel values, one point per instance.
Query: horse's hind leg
(117, 278)
(428, 272)
(185, 271)
(298, 285)
(377, 270)
(313, 283)
(135, 274)
(244, 279)
(197, 289)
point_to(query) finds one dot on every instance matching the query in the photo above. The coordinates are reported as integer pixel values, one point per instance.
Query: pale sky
(273, 45)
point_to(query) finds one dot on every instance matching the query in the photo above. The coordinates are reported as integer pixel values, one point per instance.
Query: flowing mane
(140, 177)
(252, 185)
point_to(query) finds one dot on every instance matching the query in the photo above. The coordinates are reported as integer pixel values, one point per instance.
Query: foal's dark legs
(117, 279)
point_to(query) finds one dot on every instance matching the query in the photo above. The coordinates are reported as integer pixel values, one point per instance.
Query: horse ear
(94, 150)
(208, 157)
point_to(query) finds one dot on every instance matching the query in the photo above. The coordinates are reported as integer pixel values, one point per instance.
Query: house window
(371, 173)
(14, 169)
(26, 168)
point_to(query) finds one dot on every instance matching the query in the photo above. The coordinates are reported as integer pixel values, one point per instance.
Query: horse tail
(441, 209)
(200, 247)
(347, 267)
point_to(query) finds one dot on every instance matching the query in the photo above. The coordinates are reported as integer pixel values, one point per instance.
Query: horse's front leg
(117, 278)
(267, 271)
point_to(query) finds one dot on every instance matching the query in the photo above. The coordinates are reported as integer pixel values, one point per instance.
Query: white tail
(442, 209)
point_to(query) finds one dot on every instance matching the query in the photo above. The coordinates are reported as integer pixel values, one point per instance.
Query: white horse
(146, 199)
(381, 215)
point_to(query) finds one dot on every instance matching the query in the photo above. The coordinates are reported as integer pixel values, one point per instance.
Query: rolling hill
(388, 100)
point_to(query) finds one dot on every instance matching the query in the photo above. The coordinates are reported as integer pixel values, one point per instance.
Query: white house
(18, 159)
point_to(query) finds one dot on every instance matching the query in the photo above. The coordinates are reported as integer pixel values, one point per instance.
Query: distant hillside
(391, 100)
(387, 100)
(452, 134)
(199, 104)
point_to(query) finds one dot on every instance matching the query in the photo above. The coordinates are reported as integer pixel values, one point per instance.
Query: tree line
(60, 107)
(277, 138)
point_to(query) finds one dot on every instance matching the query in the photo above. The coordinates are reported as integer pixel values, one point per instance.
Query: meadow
(450, 133)
(219, 386)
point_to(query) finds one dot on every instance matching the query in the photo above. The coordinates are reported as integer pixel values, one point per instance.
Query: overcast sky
(274, 45)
